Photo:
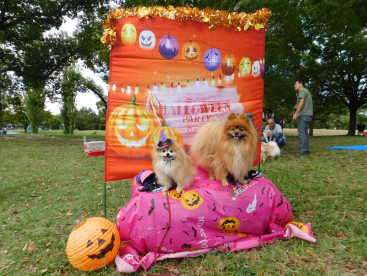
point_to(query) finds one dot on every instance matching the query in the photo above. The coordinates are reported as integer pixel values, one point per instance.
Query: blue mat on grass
(359, 147)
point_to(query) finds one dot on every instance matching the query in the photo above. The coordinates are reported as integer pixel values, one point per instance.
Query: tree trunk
(25, 128)
(352, 121)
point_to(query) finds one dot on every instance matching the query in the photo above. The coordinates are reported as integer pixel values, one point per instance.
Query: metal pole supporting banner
(104, 200)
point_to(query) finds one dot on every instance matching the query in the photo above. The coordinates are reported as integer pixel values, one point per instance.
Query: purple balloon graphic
(168, 47)
(212, 59)
(263, 70)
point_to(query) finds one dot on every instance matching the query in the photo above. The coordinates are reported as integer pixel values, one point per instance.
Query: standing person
(303, 115)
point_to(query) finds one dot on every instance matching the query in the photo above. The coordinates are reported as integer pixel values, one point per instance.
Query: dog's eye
(171, 151)
(242, 129)
(232, 128)
(164, 151)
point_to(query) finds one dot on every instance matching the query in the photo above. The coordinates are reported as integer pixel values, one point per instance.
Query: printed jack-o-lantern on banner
(174, 70)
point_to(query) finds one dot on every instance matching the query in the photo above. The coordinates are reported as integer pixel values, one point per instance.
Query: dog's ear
(244, 116)
(232, 116)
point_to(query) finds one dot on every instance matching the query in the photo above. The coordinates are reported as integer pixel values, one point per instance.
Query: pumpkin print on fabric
(300, 225)
(93, 244)
(191, 51)
(147, 40)
(173, 194)
(191, 200)
(129, 126)
(229, 225)
(170, 132)
(128, 34)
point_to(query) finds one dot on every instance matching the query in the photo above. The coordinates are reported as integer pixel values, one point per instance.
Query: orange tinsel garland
(210, 16)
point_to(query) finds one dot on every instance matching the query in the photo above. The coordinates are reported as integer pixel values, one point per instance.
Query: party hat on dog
(164, 142)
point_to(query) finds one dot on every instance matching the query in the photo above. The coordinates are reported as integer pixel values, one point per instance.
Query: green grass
(48, 186)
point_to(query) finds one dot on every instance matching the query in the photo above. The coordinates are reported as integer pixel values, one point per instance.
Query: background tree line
(323, 41)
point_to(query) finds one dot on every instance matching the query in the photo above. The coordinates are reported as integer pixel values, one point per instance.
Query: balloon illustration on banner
(130, 126)
(245, 67)
(263, 69)
(229, 65)
(168, 47)
(191, 50)
(256, 68)
(147, 40)
(128, 34)
(212, 59)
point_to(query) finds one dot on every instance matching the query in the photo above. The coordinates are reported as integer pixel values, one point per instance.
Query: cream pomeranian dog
(172, 165)
(270, 149)
(227, 148)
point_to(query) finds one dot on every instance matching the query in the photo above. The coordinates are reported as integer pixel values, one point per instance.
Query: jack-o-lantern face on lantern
(128, 127)
(191, 51)
(128, 34)
(256, 68)
(93, 244)
(168, 47)
(245, 67)
(147, 40)
(228, 65)
(212, 59)
(229, 225)
(191, 200)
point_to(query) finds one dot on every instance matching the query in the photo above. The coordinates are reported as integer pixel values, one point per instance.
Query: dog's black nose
(167, 154)
(236, 133)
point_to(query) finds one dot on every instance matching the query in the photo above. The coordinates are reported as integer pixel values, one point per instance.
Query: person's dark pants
(280, 140)
(303, 122)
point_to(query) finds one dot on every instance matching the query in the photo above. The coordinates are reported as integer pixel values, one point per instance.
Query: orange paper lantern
(93, 244)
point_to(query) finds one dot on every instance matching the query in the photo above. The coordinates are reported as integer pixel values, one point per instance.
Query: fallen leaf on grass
(43, 270)
(28, 174)
(30, 249)
(2, 267)
(321, 269)
(313, 254)
(33, 269)
(69, 213)
(363, 263)
(309, 260)
(28, 206)
(351, 267)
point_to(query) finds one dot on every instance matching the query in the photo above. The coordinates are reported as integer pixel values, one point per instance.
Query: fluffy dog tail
(204, 144)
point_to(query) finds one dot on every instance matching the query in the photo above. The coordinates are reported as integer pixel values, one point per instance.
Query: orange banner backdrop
(176, 76)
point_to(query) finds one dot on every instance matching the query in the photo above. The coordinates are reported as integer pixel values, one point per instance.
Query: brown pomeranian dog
(172, 165)
(227, 148)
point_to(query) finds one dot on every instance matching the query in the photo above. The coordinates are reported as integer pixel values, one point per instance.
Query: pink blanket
(207, 217)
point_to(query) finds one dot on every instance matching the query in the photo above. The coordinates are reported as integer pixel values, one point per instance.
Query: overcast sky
(82, 99)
